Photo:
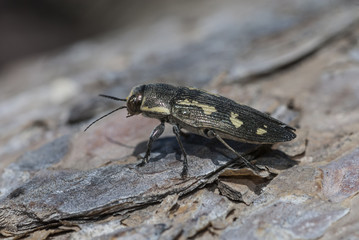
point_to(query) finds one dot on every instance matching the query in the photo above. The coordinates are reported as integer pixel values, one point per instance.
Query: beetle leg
(246, 162)
(177, 132)
(156, 133)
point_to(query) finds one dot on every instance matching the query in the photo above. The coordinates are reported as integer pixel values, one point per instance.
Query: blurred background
(39, 26)
(35, 27)
(172, 40)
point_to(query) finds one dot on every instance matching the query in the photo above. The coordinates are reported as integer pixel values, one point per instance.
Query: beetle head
(134, 100)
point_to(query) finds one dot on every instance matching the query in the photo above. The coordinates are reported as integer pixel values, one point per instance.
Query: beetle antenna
(113, 98)
(104, 116)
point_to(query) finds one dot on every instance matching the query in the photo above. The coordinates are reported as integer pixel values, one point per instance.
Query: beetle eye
(134, 104)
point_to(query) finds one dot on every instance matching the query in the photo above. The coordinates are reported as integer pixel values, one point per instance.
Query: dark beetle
(202, 113)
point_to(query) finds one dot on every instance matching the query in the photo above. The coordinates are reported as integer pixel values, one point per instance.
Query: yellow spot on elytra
(235, 121)
(206, 108)
(261, 131)
(184, 102)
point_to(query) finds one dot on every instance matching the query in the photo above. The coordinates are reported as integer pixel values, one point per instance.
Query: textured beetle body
(202, 113)
(199, 111)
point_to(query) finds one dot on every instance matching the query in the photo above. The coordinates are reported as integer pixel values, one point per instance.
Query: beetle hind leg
(155, 134)
(177, 132)
(246, 162)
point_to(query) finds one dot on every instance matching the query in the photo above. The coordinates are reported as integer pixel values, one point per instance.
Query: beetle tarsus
(142, 163)
(184, 172)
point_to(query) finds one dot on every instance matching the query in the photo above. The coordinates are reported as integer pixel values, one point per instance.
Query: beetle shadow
(204, 148)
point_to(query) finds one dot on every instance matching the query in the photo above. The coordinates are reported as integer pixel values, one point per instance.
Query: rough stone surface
(341, 177)
(287, 218)
(297, 60)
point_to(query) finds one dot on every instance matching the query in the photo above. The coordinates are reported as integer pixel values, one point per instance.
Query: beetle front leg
(177, 132)
(212, 133)
(156, 133)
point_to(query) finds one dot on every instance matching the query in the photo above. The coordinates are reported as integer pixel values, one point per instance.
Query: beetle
(200, 112)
